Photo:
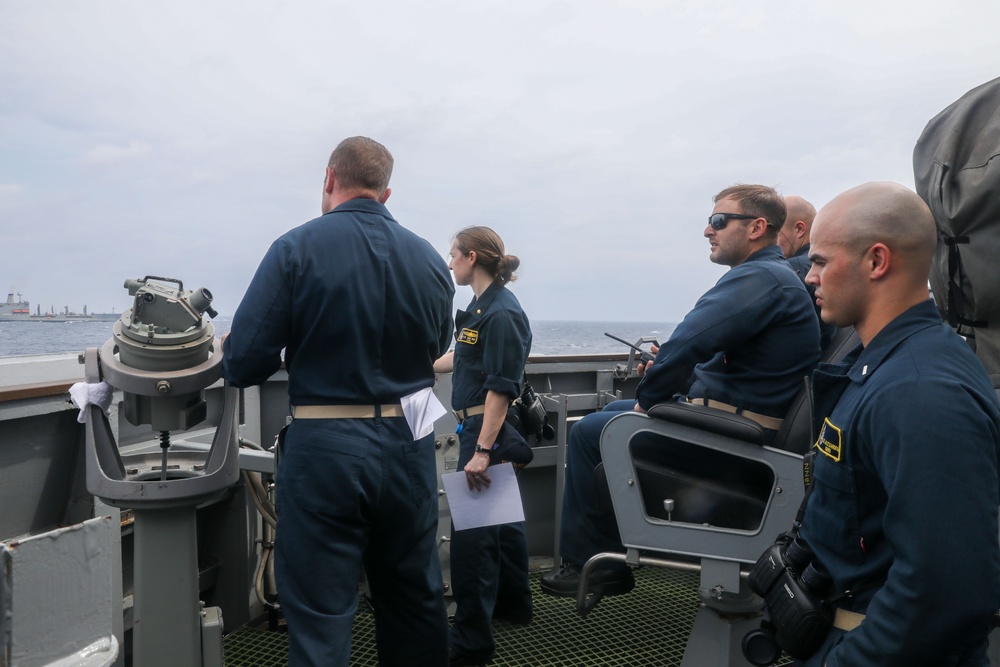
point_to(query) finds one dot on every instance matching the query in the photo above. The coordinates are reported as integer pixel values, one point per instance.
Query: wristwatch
(484, 450)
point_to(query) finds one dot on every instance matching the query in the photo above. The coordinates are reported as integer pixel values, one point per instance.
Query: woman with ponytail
(489, 566)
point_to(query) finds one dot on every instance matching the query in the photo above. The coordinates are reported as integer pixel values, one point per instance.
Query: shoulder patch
(830, 441)
(470, 336)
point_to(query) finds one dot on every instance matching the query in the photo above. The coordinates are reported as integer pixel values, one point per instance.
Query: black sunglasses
(720, 220)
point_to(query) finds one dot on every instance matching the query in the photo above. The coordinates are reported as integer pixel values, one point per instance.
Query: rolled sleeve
(502, 356)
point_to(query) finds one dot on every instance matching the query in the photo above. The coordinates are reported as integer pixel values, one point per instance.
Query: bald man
(793, 236)
(793, 239)
(903, 507)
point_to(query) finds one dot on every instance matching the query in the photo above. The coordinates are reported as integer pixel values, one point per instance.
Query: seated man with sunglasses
(744, 347)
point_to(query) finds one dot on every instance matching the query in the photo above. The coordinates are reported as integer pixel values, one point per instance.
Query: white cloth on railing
(84, 394)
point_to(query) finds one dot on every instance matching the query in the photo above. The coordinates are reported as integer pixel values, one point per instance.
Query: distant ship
(20, 311)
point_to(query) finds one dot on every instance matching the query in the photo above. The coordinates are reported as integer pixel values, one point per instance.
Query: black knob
(798, 554)
(815, 578)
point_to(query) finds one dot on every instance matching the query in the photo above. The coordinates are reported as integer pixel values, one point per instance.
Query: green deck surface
(649, 626)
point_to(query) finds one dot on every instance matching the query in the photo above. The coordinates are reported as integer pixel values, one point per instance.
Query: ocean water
(549, 337)
(564, 337)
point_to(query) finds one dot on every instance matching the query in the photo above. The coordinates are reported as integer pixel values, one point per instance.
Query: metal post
(167, 627)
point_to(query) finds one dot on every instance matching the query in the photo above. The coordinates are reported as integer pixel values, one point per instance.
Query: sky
(179, 139)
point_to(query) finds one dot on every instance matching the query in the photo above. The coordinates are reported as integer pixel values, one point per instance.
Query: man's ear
(757, 228)
(879, 260)
(328, 183)
(385, 196)
(800, 229)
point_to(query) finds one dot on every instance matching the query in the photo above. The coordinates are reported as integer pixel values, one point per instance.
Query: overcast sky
(180, 138)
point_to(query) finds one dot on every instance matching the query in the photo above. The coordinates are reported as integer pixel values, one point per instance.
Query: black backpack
(956, 169)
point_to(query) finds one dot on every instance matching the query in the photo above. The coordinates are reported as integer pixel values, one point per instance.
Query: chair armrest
(641, 531)
(704, 418)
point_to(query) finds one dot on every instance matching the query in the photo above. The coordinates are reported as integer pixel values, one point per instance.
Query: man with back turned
(362, 308)
(903, 507)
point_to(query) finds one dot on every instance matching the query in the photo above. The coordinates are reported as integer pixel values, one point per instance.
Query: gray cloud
(105, 153)
(180, 139)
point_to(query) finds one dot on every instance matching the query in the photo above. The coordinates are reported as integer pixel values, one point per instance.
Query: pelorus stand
(162, 356)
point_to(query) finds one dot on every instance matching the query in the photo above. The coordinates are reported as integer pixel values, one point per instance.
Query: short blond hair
(362, 163)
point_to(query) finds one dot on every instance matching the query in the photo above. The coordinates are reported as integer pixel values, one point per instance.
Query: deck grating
(649, 626)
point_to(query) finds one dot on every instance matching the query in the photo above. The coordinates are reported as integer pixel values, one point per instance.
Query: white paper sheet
(421, 409)
(500, 503)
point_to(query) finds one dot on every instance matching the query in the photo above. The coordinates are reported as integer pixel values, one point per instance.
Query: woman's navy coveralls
(906, 492)
(493, 339)
(749, 341)
(362, 307)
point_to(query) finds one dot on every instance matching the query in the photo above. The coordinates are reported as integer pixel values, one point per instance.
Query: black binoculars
(796, 617)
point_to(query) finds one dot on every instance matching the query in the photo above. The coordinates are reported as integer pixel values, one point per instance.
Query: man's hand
(475, 471)
(640, 368)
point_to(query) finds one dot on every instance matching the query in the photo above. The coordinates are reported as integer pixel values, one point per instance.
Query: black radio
(528, 415)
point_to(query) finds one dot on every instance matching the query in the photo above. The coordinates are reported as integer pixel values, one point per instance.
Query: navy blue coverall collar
(486, 298)
(362, 205)
(767, 252)
(914, 319)
(830, 380)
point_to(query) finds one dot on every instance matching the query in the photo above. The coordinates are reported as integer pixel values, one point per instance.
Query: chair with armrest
(695, 488)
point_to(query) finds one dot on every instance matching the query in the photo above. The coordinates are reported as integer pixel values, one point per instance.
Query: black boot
(565, 581)
(459, 658)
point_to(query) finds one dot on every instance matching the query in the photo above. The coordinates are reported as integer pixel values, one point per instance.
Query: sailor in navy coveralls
(489, 566)
(904, 504)
(362, 308)
(793, 239)
(745, 347)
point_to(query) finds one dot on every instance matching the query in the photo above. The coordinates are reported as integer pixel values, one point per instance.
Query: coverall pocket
(421, 469)
(322, 467)
(835, 518)
(471, 358)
